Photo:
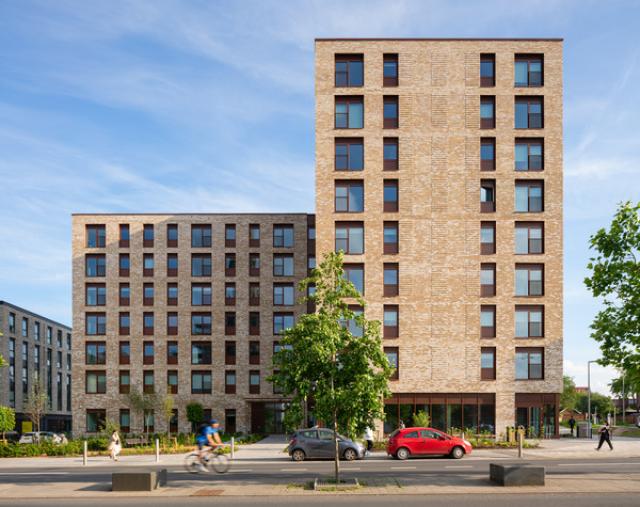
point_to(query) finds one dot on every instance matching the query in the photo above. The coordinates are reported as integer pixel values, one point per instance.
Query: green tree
(421, 419)
(7, 420)
(600, 404)
(615, 278)
(195, 414)
(35, 404)
(143, 402)
(335, 357)
(2, 361)
(568, 396)
(167, 405)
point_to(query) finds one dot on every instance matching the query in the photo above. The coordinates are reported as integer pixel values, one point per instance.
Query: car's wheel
(457, 452)
(298, 455)
(350, 455)
(402, 453)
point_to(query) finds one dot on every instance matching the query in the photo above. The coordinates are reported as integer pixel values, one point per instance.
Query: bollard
(233, 446)
(520, 438)
(84, 453)
(157, 450)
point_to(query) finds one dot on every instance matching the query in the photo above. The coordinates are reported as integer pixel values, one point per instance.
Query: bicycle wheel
(220, 463)
(192, 463)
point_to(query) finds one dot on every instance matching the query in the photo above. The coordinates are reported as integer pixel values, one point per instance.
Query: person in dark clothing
(572, 424)
(605, 436)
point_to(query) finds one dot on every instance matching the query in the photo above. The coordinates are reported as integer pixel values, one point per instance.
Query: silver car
(317, 443)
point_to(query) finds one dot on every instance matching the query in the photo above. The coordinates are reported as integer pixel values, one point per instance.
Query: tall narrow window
(254, 264)
(147, 265)
(230, 236)
(355, 274)
(529, 237)
(172, 352)
(349, 196)
(254, 293)
(229, 352)
(147, 294)
(529, 321)
(391, 321)
(230, 323)
(124, 353)
(254, 323)
(124, 381)
(254, 382)
(488, 363)
(487, 196)
(488, 321)
(390, 195)
(147, 235)
(172, 264)
(349, 154)
(488, 154)
(487, 112)
(172, 323)
(391, 112)
(230, 381)
(390, 69)
(391, 280)
(529, 113)
(172, 235)
(147, 353)
(391, 238)
(487, 280)
(124, 236)
(201, 235)
(147, 323)
(392, 357)
(254, 352)
(349, 112)
(172, 294)
(229, 293)
(487, 70)
(254, 235)
(529, 279)
(124, 264)
(529, 154)
(349, 237)
(349, 70)
(529, 196)
(528, 70)
(487, 238)
(230, 264)
(390, 154)
(172, 381)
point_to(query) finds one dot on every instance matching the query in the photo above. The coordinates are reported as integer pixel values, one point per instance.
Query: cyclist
(208, 437)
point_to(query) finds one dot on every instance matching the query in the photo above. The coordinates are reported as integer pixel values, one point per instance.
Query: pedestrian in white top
(114, 446)
(368, 436)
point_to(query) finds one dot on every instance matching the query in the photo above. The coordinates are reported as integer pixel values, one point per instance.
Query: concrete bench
(143, 480)
(134, 441)
(516, 474)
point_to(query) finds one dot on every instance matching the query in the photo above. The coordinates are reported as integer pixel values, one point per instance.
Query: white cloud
(601, 376)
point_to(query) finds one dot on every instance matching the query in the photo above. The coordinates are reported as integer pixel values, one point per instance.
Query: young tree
(7, 420)
(35, 404)
(335, 357)
(166, 405)
(615, 277)
(195, 414)
(143, 402)
(568, 396)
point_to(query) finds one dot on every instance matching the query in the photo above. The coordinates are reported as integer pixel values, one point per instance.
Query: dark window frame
(391, 331)
(488, 123)
(346, 185)
(390, 206)
(485, 372)
(488, 331)
(488, 164)
(488, 206)
(532, 161)
(487, 290)
(390, 122)
(349, 161)
(391, 164)
(348, 59)
(347, 100)
(390, 60)
(488, 80)
(391, 248)
(488, 248)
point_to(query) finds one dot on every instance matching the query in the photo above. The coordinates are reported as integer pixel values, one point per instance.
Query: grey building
(35, 347)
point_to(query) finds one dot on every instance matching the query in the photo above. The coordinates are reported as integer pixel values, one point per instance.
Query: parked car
(34, 436)
(318, 443)
(408, 442)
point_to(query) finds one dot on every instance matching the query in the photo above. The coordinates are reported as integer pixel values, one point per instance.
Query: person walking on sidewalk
(605, 436)
(368, 436)
(572, 424)
(114, 445)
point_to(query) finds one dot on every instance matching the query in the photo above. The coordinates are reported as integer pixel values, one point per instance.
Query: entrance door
(257, 417)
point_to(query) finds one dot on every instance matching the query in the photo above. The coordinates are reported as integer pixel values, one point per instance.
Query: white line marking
(350, 468)
(594, 464)
(459, 466)
(36, 473)
(293, 469)
(242, 470)
(403, 468)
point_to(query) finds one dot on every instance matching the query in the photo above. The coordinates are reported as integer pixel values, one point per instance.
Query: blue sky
(151, 106)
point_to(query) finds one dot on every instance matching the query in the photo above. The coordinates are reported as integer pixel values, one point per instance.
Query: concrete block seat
(517, 474)
(140, 480)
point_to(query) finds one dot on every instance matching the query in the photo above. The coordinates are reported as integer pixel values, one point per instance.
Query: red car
(425, 441)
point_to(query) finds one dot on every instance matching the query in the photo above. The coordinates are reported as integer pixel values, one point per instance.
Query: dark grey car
(317, 443)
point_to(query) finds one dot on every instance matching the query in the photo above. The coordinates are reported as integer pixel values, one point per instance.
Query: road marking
(293, 469)
(36, 473)
(242, 470)
(351, 468)
(459, 466)
(595, 464)
(403, 468)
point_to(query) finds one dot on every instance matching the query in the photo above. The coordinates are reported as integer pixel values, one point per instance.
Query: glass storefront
(537, 414)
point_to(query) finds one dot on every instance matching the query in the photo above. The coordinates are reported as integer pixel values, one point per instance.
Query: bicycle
(212, 458)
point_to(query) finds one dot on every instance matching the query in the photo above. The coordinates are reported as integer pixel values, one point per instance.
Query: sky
(208, 106)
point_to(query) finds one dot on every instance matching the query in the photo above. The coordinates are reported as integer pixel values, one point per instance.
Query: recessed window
(391, 280)
(390, 238)
(124, 381)
(529, 196)
(254, 352)
(254, 264)
(352, 324)
(172, 264)
(96, 420)
(487, 196)
(147, 235)
(254, 235)
(148, 382)
(172, 294)
(349, 237)
(254, 323)
(147, 353)
(96, 236)
(529, 238)
(529, 155)
(230, 264)
(201, 265)
(229, 352)
(124, 264)
(201, 236)
(529, 321)
(390, 154)
(390, 69)
(390, 112)
(124, 236)
(349, 154)
(528, 70)
(529, 113)
(201, 323)
(282, 265)
(124, 353)
(349, 112)
(95, 265)
(172, 235)
(355, 274)
(230, 381)
(488, 363)
(392, 356)
(95, 353)
(529, 363)
(391, 321)
(488, 154)
(487, 280)
(96, 295)
(230, 293)
(283, 294)
(390, 195)
(147, 294)
(487, 112)
(200, 382)
(147, 265)
(230, 323)
(281, 322)
(487, 70)
(201, 353)
(487, 238)
(172, 382)
(283, 236)
(172, 352)
(349, 70)
(349, 196)
(96, 382)
(488, 321)
(124, 323)
(96, 323)
(172, 323)
(529, 280)
(254, 382)
(254, 291)
(148, 323)
(230, 235)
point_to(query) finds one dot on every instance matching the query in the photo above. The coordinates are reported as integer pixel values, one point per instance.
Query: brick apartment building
(35, 348)
(439, 173)
(190, 305)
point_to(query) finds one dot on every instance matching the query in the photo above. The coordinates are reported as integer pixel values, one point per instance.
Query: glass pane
(390, 418)
(355, 116)
(486, 110)
(390, 69)
(486, 276)
(522, 324)
(486, 318)
(390, 234)
(390, 318)
(356, 198)
(390, 193)
(486, 234)
(486, 359)
(390, 277)
(522, 159)
(522, 282)
(390, 110)
(355, 74)
(486, 68)
(356, 240)
(356, 157)
(521, 72)
(390, 151)
(522, 366)
(486, 194)
(392, 357)
(522, 240)
(487, 151)
(522, 198)
(522, 115)
(438, 416)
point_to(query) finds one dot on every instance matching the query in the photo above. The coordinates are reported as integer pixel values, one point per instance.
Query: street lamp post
(623, 397)
(589, 394)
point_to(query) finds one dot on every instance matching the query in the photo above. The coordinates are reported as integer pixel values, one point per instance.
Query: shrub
(421, 419)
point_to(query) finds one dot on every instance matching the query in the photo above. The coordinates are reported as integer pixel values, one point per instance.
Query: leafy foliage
(600, 404)
(569, 394)
(421, 419)
(195, 414)
(7, 420)
(2, 361)
(35, 405)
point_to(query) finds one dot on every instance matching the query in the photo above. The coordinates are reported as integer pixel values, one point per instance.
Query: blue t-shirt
(204, 434)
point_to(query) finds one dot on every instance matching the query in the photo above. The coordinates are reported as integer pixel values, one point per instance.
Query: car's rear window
(308, 434)
(394, 433)
(411, 434)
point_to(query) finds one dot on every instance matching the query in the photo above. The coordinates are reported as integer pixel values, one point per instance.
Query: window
(529, 238)
(229, 352)
(390, 319)
(283, 294)
(230, 420)
(390, 112)
(529, 280)
(124, 294)
(125, 420)
(281, 322)
(392, 357)
(172, 294)
(12, 322)
(311, 232)
(172, 323)
(390, 236)
(529, 363)
(349, 112)
(487, 280)
(487, 70)
(149, 419)
(96, 295)
(36, 331)
(355, 274)
(201, 353)
(350, 237)
(95, 382)
(529, 154)
(254, 352)
(229, 293)
(147, 235)
(172, 235)
(69, 341)
(254, 235)
(95, 353)
(147, 265)
(200, 382)
(390, 69)
(487, 238)
(349, 70)
(124, 264)
(201, 323)
(172, 352)
(311, 262)
(529, 113)
(172, 381)
(230, 236)
(488, 321)
(487, 112)
(230, 264)
(96, 236)
(96, 265)
(148, 382)
(96, 324)
(488, 363)
(201, 236)
(349, 196)
(254, 264)
(352, 324)
(282, 265)
(230, 382)
(390, 279)
(147, 323)
(147, 294)
(254, 323)
(349, 154)
(254, 382)
(201, 294)
(528, 70)
(201, 265)
(254, 292)
(124, 353)
(283, 236)
(124, 382)
(124, 236)
(230, 323)
(488, 154)
(529, 196)
(172, 264)
(49, 333)
(529, 321)
(96, 420)
(487, 196)
(390, 195)
(147, 353)
(390, 154)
